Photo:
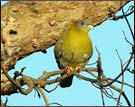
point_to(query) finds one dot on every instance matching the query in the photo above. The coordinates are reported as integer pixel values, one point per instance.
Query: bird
(73, 48)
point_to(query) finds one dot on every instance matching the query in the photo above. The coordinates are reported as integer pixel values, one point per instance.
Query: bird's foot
(68, 69)
(78, 69)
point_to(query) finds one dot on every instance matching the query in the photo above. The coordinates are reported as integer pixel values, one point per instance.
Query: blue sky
(107, 37)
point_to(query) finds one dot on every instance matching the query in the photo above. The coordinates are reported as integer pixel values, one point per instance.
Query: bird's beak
(90, 27)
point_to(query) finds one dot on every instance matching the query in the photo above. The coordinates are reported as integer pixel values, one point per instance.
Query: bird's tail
(66, 82)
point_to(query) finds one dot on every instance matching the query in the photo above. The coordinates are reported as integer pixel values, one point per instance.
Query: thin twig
(130, 8)
(14, 82)
(92, 63)
(121, 91)
(96, 85)
(124, 83)
(5, 103)
(124, 69)
(128, 23)
(131, 71)
(121, 63)
(85, 78)
(102, 95)
(108, 94)
(121, 16)
(52, 89)
(126, 98)
(100, 71)
(44, 96)
(55, 104)
(127, 39)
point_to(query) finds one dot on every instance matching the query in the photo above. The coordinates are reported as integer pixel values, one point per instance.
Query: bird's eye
(82, 23)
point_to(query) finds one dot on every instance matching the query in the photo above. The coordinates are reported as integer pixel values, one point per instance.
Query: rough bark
(28, 27)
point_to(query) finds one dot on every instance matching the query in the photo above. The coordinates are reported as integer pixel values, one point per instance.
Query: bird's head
(84, 25)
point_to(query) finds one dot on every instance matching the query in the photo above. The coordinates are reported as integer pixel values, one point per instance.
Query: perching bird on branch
(73, 49)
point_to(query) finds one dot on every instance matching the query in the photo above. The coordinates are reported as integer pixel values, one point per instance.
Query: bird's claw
(78, 68)
(68, 69)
